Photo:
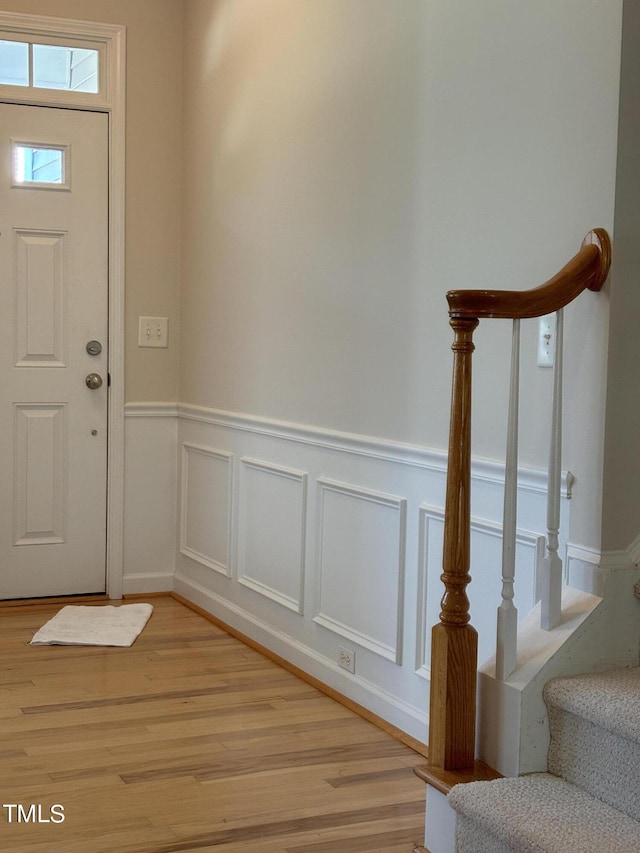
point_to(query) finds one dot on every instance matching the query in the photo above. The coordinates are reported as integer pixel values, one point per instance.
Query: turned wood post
(454, 643)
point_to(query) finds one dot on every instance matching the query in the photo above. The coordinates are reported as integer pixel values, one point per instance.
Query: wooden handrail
(454, 657)
(587, 270)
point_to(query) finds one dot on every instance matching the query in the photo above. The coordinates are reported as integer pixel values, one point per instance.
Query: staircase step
(595, 735)
(607, 699)
(540, 813)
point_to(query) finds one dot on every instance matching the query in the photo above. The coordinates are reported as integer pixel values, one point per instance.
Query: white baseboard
(148, 582)
(590, 570)
(359, 690)
(628, 558)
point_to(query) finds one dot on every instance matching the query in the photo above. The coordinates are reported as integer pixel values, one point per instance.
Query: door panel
(53, 301)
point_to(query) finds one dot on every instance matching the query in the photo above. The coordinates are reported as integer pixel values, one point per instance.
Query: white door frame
(110, 40)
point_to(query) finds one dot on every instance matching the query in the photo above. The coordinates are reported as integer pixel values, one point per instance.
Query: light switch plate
(546, 340)
(153, 332)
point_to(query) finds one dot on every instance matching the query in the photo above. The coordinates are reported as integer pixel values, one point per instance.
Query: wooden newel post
(454, 643)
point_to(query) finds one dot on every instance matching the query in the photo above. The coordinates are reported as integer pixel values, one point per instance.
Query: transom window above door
(49, 66)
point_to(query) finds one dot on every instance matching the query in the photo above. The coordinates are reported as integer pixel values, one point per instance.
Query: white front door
(53, 303)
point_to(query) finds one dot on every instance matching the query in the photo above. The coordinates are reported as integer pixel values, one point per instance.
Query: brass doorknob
(93, 380)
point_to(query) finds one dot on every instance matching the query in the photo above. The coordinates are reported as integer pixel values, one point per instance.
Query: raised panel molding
(374, 515)
(206, 506)
(272, 532)
(486, 574)
(39, 298)
(361, 566)
(431, 540)
(40, 482)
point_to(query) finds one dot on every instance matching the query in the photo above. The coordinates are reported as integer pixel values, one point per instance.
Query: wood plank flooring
(188, 741)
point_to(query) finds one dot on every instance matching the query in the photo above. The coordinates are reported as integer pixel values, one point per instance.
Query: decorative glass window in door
(36, 165)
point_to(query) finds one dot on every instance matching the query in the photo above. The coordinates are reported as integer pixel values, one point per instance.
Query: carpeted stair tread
(540, 813)
(595, 735)
(607, 699)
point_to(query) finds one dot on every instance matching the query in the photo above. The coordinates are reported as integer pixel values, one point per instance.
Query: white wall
(622, 458)
(348, 162)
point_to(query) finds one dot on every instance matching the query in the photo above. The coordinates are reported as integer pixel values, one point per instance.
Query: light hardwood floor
(189, 741)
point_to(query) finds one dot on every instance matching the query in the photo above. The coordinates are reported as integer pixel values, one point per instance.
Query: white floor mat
(94, 626)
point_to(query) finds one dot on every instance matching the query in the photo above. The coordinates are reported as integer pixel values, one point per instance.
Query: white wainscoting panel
(308, 540)
(206, 501)
(430, 589)
(583, 569)
(272, 525)
(150, 498)
(485, 587)
(361, 566)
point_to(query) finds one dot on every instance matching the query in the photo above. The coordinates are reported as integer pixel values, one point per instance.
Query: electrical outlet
(347, 658)
(153, 332)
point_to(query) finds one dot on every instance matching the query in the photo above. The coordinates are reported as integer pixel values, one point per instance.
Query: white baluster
(552, 574)
(507, 633)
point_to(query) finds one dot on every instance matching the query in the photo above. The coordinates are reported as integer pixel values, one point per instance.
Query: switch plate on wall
(153, 332)
(546, 340)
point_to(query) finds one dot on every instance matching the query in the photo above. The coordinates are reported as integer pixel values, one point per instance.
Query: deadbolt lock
(94, 347)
